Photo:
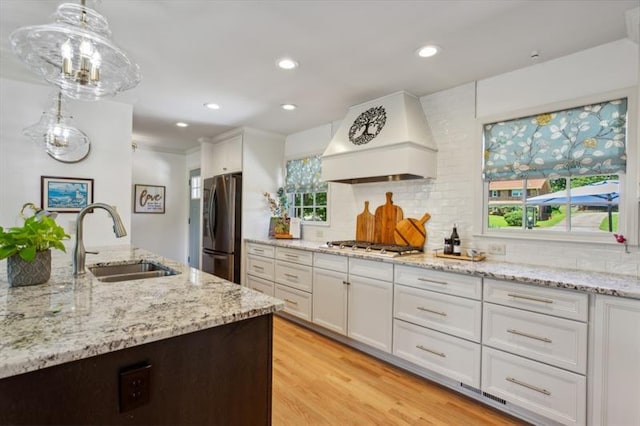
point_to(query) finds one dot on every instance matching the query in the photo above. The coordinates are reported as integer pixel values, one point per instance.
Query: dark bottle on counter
(455, 242)
(448, 247)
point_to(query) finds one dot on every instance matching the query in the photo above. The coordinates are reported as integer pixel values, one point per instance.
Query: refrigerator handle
(213, 213)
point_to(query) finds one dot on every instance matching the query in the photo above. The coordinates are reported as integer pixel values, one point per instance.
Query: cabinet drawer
(551, 301)
(371, 269)
(261, 250)
(331, 262)
(449, 314)
(544, 338)
(447, 355)
(292, 255)
(443, 282)
(294, 275)
(261, 267)
(296, 302)
(260, 285)
(548, 391)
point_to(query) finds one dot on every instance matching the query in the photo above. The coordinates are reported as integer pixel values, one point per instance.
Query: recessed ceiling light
(289, 107)
(211, 105)
(428, 51)
(287, 63)
(181, 124)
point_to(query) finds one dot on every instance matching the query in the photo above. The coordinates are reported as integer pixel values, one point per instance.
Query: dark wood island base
(217, 376)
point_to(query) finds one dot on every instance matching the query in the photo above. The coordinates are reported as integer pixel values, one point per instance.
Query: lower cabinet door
(260, 285)
(330, 299)
(296, 302)
(548, 391)
(370, 311)
(449, 356)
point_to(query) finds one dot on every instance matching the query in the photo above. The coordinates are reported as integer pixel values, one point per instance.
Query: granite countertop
(585, 281)
(70, 318)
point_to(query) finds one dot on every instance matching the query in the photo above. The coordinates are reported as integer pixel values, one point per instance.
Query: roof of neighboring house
(516, 184)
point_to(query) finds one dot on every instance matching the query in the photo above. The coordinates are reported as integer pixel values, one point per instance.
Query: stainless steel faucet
(79, 251)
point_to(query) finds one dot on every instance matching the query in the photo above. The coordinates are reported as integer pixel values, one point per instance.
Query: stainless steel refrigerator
(221, 224)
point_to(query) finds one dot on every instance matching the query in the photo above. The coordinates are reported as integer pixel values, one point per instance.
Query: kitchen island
(180, 349)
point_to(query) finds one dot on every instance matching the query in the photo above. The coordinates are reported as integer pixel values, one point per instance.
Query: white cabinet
(528, 332)
(225, 156)
(330, 291)
(294, 281)
(548, 391)
(370, 296)
(260, 268)
(437, 322)
(616, 362)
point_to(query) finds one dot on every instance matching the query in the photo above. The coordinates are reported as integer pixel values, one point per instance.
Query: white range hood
(385, 139)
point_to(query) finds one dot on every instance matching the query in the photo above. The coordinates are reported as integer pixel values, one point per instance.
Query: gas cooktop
(387, 250)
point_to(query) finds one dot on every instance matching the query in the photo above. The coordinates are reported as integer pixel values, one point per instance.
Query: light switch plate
(497, 249)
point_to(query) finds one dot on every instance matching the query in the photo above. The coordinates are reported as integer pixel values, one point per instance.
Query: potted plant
(28, 248)
(279, 206)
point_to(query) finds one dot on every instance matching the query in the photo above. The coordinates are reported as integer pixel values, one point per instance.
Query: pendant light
(56, 134)
(76, 54)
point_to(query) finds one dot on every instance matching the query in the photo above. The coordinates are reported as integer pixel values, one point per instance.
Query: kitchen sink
(135, 270)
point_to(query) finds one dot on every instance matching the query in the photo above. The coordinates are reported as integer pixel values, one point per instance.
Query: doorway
(195, 194)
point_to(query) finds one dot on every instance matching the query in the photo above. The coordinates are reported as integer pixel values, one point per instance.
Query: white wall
(108, 125)
(450, 197)
(165, 234)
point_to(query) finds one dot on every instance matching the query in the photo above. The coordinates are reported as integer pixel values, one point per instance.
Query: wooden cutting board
(387, 217)
(411, 232)
(365, 224)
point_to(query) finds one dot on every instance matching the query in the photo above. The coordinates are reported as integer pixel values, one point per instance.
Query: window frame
(629, 192)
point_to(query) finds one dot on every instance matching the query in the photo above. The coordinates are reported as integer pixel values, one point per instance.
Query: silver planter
(20, 272)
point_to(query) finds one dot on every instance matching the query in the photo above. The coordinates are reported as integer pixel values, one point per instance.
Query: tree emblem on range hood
(367, 125)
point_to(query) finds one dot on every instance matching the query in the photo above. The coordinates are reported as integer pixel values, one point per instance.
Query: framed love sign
(148, 199)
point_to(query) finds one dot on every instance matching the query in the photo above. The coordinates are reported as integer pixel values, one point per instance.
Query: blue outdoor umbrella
(603, 193)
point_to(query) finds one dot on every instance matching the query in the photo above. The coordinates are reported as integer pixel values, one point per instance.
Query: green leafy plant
(38, 233)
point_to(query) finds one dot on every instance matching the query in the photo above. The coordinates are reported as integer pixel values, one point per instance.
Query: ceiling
(192, 52)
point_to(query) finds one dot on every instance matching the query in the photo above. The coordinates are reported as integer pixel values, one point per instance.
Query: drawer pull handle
(422, 348)
(291, 276)
(535, 299)
(259, 291)
(444, 314)
(528, 386)
(258, 250)
(291, 256)
(291, 302)
(258, 268)
(346, 283)
(530, 336)
(432, 281)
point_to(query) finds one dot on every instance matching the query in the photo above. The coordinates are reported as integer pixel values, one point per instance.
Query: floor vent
(471, 388)
(495, 398)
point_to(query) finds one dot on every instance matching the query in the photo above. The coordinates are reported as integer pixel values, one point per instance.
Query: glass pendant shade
(76, 54)
(57, 135)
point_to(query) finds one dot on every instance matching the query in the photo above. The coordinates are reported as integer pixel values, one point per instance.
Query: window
(494, 194)
(196, 187)
(306, 191)
(563, 169)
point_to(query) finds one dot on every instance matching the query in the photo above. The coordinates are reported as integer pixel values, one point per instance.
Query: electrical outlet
(135, 387)
(71, 226)
(497, 249)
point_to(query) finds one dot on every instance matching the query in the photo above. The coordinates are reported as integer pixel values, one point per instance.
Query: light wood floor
(317, 381)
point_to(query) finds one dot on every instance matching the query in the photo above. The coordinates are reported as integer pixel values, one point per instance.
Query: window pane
(508, 216)
(321, 199)
(298, 199)
(307, 199)
(307, 214)
(321, 214)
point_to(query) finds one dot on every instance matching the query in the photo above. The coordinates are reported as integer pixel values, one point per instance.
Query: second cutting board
(387, 217)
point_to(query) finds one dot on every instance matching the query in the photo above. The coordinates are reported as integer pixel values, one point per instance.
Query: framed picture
(148, 199)
(65, 194)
